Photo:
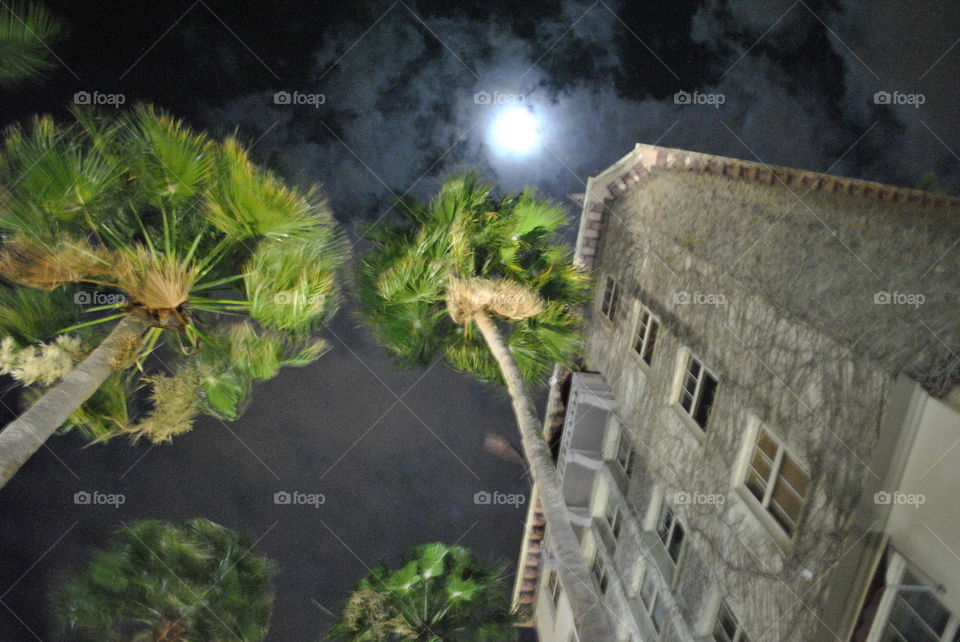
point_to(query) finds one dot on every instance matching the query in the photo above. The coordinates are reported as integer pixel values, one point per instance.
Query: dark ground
(390, 481)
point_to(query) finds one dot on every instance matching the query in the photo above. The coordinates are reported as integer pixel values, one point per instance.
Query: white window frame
(687, 357)
(655, 600)
(645, 341)
(608, 307)
(600, 572)
(613, 514)
(897, 568)
(739, 635)
(664, 507)
(628, 463)
(555, 588)
(764, 503)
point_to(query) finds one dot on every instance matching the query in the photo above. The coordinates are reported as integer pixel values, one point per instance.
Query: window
(670, 532)
(650, 597)
(646, 335)
(917, 615)
(625, 455)
(727, 627)
(553, 585)
(776, 481)
(611, 299)
(600, 572)
(614, 517)
(697, 392)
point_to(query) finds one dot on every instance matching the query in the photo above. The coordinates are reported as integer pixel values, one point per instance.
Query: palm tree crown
(152, 219)
(440, 593)
(193, 580)
(467, 249)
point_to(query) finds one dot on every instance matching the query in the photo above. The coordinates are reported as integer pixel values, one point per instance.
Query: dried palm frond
(155, 281)
(504, 298)
(48, 266)
(176, 404)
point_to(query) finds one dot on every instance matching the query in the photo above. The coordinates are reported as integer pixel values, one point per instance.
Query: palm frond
(54, 180)
(246, 201)
(175, 162)
(27, 31)
(30, 315)
(292, 284)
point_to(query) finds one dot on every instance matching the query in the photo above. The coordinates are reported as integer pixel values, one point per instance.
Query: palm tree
(26, 33)
(175, 235)
(484, 283)
(440, 593)
(193, 580)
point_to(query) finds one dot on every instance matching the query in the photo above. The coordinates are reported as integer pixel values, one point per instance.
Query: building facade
(762, 441)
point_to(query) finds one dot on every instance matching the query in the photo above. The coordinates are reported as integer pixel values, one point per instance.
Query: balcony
(589, 408)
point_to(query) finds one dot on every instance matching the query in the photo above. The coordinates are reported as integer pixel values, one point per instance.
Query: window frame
(647, 344)
(610, 300)
(555, 589)
(696, 396)
(598, 568)
(771, 482)
(655, 600)
(671, 531)
(897, 573)
(739, 634)
(613, 513)
(628, 463)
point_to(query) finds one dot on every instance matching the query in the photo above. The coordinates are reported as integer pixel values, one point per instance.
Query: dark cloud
(798, 83)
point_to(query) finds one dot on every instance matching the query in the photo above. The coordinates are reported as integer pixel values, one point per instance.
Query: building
(763, 439)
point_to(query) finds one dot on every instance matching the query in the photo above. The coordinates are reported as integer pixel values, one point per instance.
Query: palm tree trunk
(589, 615)
(24, 436)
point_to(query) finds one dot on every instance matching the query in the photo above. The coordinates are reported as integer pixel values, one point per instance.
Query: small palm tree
(176, 235)
(193, 580)
(26, 33)
(484, 283)
(440, 593)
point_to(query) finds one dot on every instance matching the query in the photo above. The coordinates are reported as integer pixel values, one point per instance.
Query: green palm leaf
(27, 31)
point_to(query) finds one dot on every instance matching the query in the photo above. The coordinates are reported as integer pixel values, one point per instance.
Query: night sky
(399, 84)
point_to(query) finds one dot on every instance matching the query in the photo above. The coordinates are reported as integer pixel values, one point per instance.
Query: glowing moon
(514, 131)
